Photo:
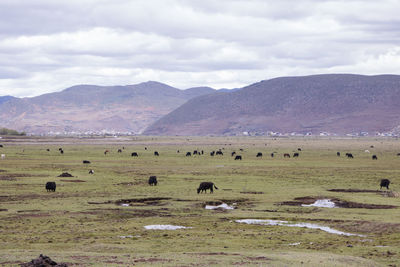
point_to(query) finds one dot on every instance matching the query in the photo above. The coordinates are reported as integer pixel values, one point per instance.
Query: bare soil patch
(353, 190)
(20, 211)
(156, 201)
(338, 202)
(73, 181)
(3, 209)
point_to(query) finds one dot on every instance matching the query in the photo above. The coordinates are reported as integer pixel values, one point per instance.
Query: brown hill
(335, 103)
(85, 108)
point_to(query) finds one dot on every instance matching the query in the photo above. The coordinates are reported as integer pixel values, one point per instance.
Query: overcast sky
(48, 45)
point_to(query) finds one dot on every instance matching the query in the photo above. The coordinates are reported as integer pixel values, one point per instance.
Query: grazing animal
(295, 155)
(188, 154)
(374, 157)
(272, 155)
(195, 152)
(219, 152)
(105, 152)
(259, 154)
(177, 151)
(3, 156)
(398, 154)
(156, 153)
(47, 150)
(206, 185)
(238, 157)
(91, 171)
(145, 148)
(62, 151)
(233, 153)
(202, 152)
(86, 162)
(241, 149)
(1, 145)
(299, 149)
(51, 186)
(134, 154)
(153, 180)
(286, 155)
(349, 155)
(119, 151)
(385, 183)
(338, 154)
(212, 153)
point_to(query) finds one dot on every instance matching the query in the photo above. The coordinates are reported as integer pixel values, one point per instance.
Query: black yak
(206, 185)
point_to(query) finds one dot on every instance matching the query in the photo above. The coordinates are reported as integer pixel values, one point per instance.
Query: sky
(47, 46)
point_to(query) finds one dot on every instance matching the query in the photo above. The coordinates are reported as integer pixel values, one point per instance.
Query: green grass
(82, 225)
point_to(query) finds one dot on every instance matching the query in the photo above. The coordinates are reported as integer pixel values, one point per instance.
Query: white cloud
(49, 45)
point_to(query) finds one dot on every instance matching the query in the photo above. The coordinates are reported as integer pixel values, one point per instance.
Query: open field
(99, 219)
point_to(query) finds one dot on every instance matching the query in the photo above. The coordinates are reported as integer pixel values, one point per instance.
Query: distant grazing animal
(385, 183)
(272, 155)
(51, 186)
(212, 153)
(202, 152)
(286, 155)
(295, 155)
(145, 148)
(374, 157)
(91, 171)
(371, 146)
(188, 154)
(241, 149)
(3, 156)
(119, 151)
(62, 151)
(238, 157)
(177, 151)
(134, 154)
(338, 154)
(86, 162)
(219, 152)
(1, 145)
(299, 149)
(195, 152)
(153, 180)
(233, 153)
(398, 154)
(47, 150)
(206, 185)
(259, 154)
(349, 155)
(105, 152)
(156, 153)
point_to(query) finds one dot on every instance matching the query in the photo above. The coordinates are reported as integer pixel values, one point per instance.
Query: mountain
(335, 103)
(5, 98)
(84, 108)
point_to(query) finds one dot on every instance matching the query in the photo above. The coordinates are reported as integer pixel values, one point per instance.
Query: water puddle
(165, 227)
(222, 206)
(321, 203)
(302, 225)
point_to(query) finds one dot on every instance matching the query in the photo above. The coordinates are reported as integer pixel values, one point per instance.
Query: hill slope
(94, 108)
(336, 103)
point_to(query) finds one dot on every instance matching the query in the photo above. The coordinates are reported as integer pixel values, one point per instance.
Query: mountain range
(333, 103)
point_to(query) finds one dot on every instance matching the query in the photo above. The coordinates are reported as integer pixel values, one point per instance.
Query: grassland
(84, 224)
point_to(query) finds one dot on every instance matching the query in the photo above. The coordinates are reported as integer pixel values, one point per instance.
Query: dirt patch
(2, 170)
(20, 211)
(338, 203)
(3, 209)
(65, 174)
(73, 181)
(350, 190)
(215, 254)
(132, 213)
(153, 201)
(251, 192)
(150, 260)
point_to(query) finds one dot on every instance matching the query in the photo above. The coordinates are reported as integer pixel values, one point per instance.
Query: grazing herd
(204, 186)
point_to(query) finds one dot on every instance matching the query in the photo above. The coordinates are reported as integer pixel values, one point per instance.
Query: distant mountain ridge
(336, 103)
(85, 108)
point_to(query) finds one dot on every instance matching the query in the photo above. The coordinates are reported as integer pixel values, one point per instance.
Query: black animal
(238, 157)
(233, 153)
(48, 150)
(299, 149)
(374, 157)
(188, 154)
(241, 149)
(119, 150)
(86, 162)
(398, 154)
(338, 154)
(195, 152)
(385, 183)
(212, 153)
(62, 151)
(145, 148)
(219, 152)
(204, 186)
(156, 153)
(91, 171)
(177, 151)
(349, 155)
(134, 154)
(272, 155)
(202, 152)
(295, 155)
(51, 186)
(1, 145)
(259, 154)
(286, 155)
(153, 180)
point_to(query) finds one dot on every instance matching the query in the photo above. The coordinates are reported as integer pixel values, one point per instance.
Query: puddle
(321, 203)
(302, 225)
(222, 206)
(165, 227)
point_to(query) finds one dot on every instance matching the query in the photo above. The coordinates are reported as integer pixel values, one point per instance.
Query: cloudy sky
(47, 45)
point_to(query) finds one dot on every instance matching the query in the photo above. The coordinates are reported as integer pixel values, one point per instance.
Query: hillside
(87, 108)
(335, 103)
